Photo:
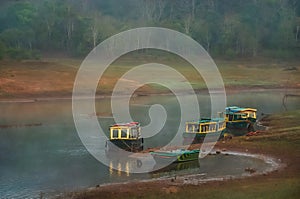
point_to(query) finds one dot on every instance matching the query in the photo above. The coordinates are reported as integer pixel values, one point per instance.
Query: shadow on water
(212, 166)
(51, 158)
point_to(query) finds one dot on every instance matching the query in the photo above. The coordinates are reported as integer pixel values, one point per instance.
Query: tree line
(235, 28)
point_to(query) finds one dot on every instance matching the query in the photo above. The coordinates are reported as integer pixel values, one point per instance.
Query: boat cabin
(234, 113)
(205, 126)
(239, 120)
(125, 131)
(125, 136)
(196, 131)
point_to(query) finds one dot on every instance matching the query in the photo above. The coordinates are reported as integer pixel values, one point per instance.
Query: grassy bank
(55, 77)
(281, 141)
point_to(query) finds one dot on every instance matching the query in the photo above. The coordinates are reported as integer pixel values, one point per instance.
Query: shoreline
(181, 181)
(275, 166)
(283, 181)
(33, 98)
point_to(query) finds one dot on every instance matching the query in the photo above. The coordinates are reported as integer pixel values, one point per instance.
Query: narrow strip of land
(52, 79)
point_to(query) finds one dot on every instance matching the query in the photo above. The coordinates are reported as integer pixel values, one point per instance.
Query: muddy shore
(60, 97)
(51, 79)
(278, 143)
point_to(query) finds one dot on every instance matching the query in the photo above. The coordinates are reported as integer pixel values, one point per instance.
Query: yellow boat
(196, 131)
(126, 136)
(240, 120)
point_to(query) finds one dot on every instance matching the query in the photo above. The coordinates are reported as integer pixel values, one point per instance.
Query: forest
(226, 29)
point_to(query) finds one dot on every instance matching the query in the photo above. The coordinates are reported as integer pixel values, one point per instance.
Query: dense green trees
(224, 28)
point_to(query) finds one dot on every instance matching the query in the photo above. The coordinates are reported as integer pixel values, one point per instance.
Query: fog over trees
(235, 28)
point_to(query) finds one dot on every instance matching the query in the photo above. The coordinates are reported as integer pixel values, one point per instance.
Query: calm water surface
(50, 157)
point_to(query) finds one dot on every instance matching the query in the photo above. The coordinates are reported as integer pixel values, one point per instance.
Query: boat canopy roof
(208, 120)
(126, 125)
(175, 152)
(236, 109)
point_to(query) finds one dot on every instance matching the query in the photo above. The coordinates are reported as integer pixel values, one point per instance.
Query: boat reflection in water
(212, 166)
(121, 168)
(124, 165)
(122, 162)
(178, 168)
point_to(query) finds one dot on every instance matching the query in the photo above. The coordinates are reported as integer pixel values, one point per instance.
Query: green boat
(175, 156)
(195, 132)
(239, 120)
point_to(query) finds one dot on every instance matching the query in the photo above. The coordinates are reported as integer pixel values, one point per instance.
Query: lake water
(40, 150)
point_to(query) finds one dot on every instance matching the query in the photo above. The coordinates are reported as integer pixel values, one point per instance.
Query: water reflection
(136, 163)
(212, 166)
(120, 167)
(176, 167)
(50, 157)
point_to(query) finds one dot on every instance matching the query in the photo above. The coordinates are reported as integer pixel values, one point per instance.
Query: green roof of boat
(236, 109)
(207, 120)
(175, 152)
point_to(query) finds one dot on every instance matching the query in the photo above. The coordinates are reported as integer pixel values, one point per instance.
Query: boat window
(230, 117)
(237, 117)
(252, 115)
(212, 127)
(130, 135)
(123, 133)
(193, 127)
(196, 127)
(204, 128)
(138, 131)
(115, 133)
(222, 125)
(133, 133)
(245, 115)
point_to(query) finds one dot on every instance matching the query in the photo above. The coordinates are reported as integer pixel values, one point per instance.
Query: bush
(20, 53)
(17, 53)
(2, 50)
(230, 53)
(35, 54)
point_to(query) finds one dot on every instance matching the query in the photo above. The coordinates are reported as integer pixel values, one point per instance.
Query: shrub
(20, 53)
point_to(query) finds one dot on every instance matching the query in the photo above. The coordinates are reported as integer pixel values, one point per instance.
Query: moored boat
(125, 136)
(240, 120)
(196, 131)
(175, 156)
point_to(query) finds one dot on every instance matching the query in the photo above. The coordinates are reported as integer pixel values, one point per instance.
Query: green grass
(236, 74)
(55, 77)
(289, 188)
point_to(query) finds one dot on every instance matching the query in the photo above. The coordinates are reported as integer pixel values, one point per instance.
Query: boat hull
(194, 138)
(239, 128)
(127, 145)
(241, 124)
